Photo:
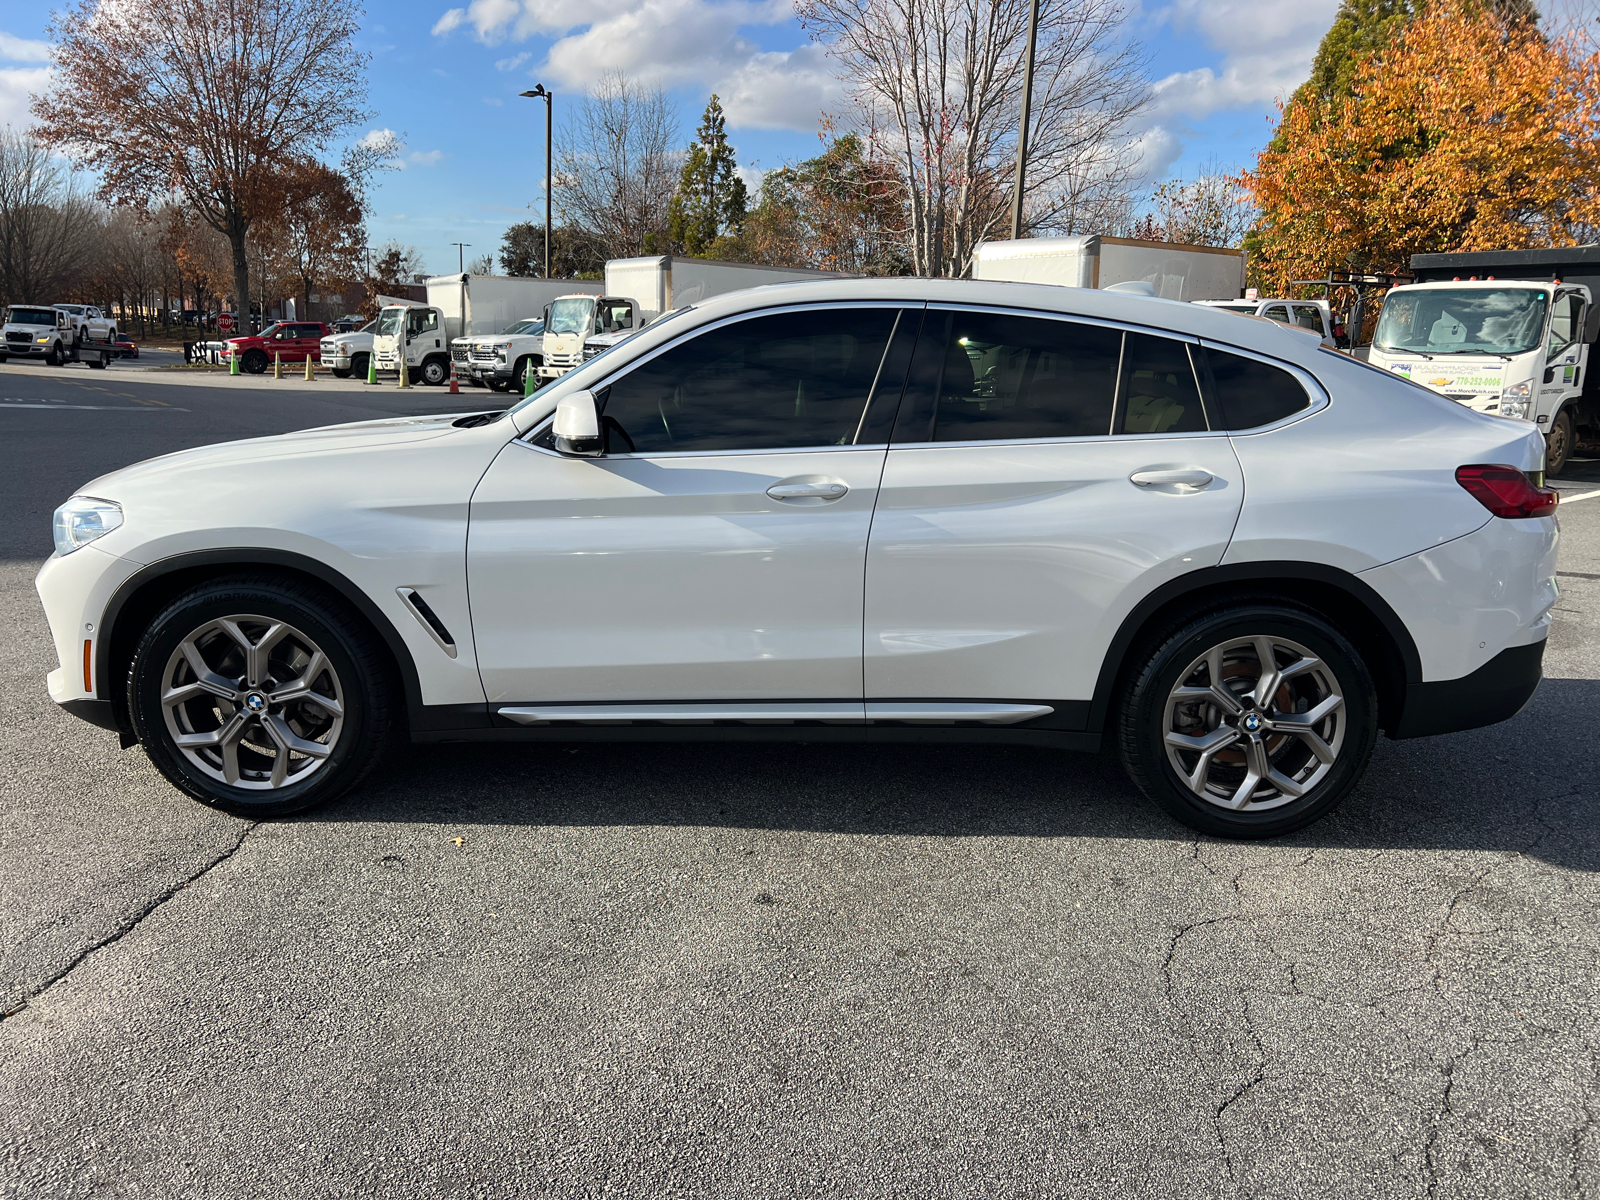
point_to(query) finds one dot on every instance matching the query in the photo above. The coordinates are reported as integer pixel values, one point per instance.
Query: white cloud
(425, 158)
(1155, 150)
(15, 49)
(450, 20)
(785, 89)
(512, 63)
(17, 88)
(375, 139)
(1267, 49)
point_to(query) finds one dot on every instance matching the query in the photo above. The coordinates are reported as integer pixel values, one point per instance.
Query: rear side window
(1159, 394)
(984, 376)
(1249, 393)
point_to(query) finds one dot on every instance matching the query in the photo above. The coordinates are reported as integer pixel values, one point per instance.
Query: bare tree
(619, 166)
(43, 247)
(943, 80)
(1212, 209)
(202, 98)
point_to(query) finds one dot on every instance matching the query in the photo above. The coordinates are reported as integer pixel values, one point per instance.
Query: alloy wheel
(252, 701)
(1254, 723)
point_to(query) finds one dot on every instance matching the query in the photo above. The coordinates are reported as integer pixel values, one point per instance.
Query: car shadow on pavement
(1525, 786)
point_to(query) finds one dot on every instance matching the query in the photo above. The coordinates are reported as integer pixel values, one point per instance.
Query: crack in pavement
(129, 926)
(1242, 1091)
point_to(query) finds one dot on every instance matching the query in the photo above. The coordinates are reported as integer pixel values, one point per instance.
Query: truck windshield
(389, 322)
(571, 315)
(32, 316)
(1462, 320)
(533, 326)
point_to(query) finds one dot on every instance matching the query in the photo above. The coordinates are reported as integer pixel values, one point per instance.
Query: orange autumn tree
(1467, 132)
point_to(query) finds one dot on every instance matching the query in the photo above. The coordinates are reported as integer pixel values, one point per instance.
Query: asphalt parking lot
(772, 970)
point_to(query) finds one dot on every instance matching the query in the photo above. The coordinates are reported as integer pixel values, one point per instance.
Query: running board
(856, 713)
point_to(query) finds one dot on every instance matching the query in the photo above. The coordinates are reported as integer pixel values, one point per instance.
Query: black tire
(98, 362)
(1154, 672)
(255, 362)
(1558, 444)
(340, 372)
(435, 371)
(52, 357)
(358, 366)
(358, 676)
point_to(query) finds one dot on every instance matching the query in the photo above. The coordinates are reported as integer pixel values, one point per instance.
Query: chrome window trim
(779, 310)
(1319, 394)
(1051, 314)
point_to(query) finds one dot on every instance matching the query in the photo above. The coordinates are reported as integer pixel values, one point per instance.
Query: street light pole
(461, 256)
(540, 92)
(1027, 114)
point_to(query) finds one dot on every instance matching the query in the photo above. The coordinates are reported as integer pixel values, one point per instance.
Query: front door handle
(830, 489)
(1193, 477)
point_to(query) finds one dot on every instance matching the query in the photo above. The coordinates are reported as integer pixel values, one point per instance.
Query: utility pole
(539, 92)
(461, 256)
(1027, 114)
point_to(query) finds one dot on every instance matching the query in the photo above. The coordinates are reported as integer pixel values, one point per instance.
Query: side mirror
(577, 426)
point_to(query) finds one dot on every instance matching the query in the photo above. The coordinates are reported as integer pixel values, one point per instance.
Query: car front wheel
(260, 697)
(1249, 721)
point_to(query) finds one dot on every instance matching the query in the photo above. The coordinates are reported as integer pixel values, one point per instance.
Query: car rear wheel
(260, 697)
(255, 362)
(1249, 721)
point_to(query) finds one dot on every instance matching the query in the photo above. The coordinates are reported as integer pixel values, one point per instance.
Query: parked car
(290, 341)
(896, 509)
(88, 323)
(348, 353)
(127, 348)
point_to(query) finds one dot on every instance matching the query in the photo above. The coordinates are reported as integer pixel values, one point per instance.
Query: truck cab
(418, 335)
(39, 331)
(1517, 349)
(571, 321)
(1313, 315)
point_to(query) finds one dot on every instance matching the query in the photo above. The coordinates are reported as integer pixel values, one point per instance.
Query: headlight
(344, 348)
(45, 338)
(82, 519)
(1514, 400)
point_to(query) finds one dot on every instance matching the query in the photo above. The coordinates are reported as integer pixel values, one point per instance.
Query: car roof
(1164, 316)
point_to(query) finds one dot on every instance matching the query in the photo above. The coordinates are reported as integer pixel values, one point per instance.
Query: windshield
(75, 309)
(1462, 321)
(270, 330)
(531, 326)
(571, 315)
(389, 322)
(33, 316)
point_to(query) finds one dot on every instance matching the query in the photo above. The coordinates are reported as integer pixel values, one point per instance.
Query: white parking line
(92, 407)
(1566, 499)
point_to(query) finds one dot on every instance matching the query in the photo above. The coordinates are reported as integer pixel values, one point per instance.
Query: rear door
(1044, 476)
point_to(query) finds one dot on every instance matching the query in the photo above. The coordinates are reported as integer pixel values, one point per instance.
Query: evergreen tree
(1361, 28)
(711, 197)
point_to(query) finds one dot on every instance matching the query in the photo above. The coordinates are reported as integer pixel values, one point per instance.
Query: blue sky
(447, 78)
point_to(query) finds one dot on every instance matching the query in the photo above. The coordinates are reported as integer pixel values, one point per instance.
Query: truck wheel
(255, 361)
(519, 377)
(341, 372)
(435, 371)
(358, 366)
(1558, 444)
(53, 357)
(98, 362)
(77, 336)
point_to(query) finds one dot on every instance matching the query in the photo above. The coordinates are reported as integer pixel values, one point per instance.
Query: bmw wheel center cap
(1252, 723)
(256, 702)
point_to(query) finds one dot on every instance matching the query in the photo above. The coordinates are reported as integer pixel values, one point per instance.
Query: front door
(1045, 474)
(716, 551)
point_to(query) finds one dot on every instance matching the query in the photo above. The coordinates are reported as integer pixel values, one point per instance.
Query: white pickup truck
(1516, 348)
(347, 354)
(501, 361)
(1313, 315)
(88, 323)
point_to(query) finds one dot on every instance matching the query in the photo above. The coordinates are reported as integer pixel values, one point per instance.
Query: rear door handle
(1195, 477)
(829, 490)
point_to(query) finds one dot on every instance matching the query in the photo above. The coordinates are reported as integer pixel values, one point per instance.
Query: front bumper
(1496, 691)
(75, 591)
(24, 350)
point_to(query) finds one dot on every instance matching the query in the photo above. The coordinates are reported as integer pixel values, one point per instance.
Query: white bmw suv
(898, 509)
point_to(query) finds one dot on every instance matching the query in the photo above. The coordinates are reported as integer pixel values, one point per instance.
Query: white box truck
(1173, 270)
(493, 318)
(637, 291)
(1506, 332)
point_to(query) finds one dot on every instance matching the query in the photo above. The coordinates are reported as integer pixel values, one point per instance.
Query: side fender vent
(430, 619)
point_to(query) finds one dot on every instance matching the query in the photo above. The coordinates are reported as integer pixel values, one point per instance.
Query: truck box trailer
(474, 305)
(1173, 270)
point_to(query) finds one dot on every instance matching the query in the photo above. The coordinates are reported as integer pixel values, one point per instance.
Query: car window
(1564, 326)
(985, 376)
(1276, 312)
(1249, 393)
(1159, 391)
(774, 382)
(1308, 316)
(421, 320)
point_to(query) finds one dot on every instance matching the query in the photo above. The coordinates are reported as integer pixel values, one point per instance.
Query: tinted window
(788, 380)
(1308, 317)
(984, 376)
(1159, 392)
(1249, 393)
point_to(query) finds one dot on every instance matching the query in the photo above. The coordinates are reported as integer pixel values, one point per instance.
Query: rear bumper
(1496, 691)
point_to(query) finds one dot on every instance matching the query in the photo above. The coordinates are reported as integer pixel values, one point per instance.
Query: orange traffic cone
(455, 388)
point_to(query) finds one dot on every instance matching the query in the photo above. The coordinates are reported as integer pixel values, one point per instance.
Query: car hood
(230, 456)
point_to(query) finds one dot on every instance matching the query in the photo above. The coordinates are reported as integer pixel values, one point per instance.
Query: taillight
(1506, 491)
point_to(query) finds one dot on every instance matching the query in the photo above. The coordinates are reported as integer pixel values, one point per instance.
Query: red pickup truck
(293, 341)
